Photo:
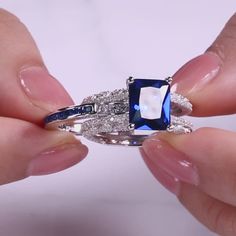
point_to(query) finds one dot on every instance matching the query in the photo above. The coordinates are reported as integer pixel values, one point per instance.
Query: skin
(211, 196)
(26, 148)
(208, 187)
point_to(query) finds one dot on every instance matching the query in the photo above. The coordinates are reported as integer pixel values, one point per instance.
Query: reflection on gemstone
(136, 107)
(144, 127)
(149, 104)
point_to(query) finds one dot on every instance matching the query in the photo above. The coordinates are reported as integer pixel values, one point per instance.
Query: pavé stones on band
(125, 116)
(71, 112)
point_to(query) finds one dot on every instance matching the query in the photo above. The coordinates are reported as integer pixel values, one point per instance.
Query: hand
(200, 168)
(27, 94)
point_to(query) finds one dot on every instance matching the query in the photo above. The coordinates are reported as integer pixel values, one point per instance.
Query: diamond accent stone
(107, 97)
(105, 117)
(106, 124)
(118, 108)
(118, 125)
(180, 105)
(104, 100)
(180, 125)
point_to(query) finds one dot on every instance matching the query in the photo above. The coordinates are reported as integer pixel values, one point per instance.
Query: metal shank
(116, 130)
(104, 118)
(111, 103)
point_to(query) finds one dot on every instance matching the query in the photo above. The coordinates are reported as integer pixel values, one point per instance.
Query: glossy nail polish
(172, 161)
(42, 89)
(56, 159)
(171, 183)
(196, 73)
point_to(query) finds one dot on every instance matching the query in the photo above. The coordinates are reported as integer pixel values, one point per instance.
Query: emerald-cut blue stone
(149, 104)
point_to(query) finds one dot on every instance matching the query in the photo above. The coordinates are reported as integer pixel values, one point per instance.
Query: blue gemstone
(76, 110)
(47, 120)
(70, 112)
(79, 109)
(53, 117)
(62, 115)
(82, 110)
(149, 104)
(88, 109)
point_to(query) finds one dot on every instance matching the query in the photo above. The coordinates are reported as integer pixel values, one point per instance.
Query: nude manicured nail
(169, 182)
(57, 159)
(43, 90)
(171, 161)
(195, 74)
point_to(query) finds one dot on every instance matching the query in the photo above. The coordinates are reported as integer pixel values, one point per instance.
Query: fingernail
(171, 161)
(169, 182)
(195, 74)
(42, 89)
(57, 159)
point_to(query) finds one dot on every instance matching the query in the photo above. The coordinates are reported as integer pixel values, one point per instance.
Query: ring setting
(126, 116)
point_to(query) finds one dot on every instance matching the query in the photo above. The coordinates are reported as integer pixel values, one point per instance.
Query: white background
(91, 46)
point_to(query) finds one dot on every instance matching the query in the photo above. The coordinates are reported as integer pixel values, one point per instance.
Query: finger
(27, 149)
(27, 90)
(169, 182)
(209, 80)
(216, 215)
(205, 158)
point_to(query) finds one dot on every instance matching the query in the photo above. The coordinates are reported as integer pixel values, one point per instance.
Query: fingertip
(43, 90)
(57, 159)
(196, 74)
(168, 181)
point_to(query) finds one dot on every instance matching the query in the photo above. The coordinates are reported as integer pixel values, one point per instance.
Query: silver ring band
(115, 129)
(105, 117)
(111, 103)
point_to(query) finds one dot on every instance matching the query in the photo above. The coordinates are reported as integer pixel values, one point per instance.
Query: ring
(125, 116)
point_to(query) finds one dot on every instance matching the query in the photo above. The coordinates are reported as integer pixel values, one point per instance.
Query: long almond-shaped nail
(196, 73)
(42, 89)
(169, 182)
(57, 158)
(171, 161)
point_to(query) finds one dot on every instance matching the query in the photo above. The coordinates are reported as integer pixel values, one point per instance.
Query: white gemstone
(151, 101)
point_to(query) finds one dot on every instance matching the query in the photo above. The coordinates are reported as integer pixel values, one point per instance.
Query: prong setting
(169, 80)
(126, 116)
(170, 128)
(131, 127)
(130, 80)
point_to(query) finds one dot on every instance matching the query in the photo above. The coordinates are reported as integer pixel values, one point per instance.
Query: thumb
(28, 150)
(26, 84)
(209, 80)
